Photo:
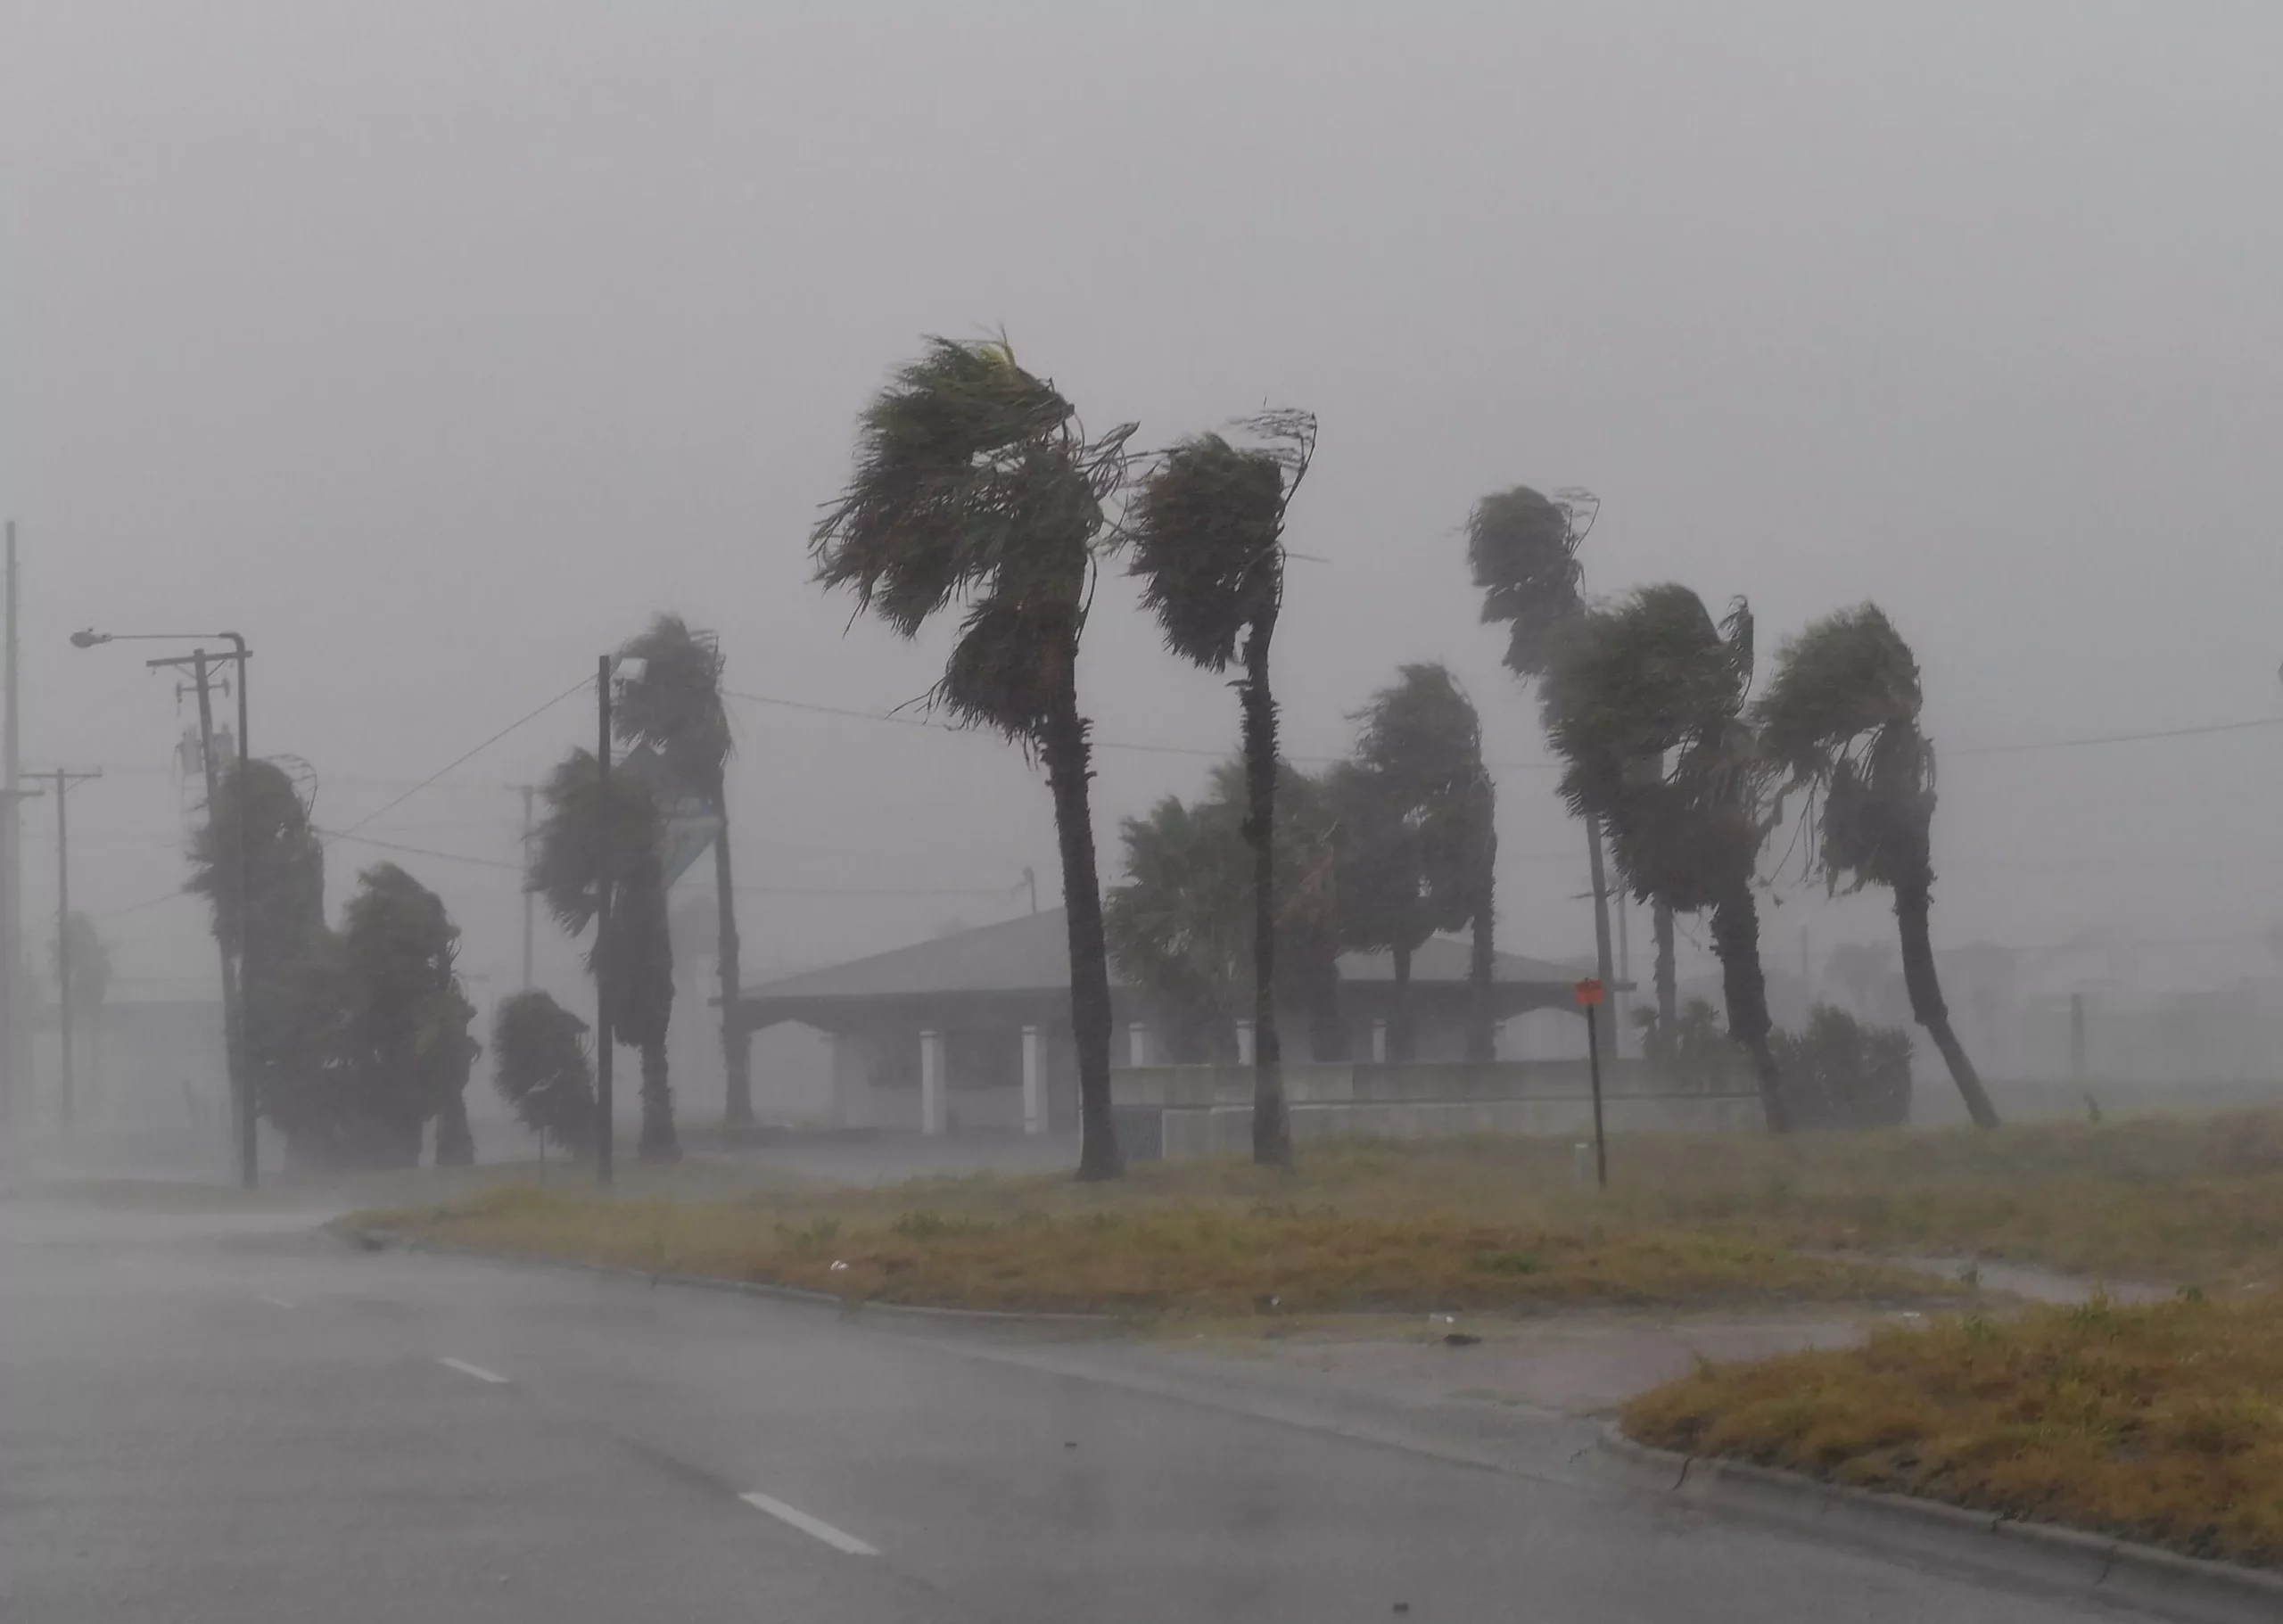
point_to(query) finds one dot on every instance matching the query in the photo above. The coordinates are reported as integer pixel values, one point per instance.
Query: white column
(1034, 1080)
(1379, 1043)
(1137, 1044)
(931, 1083)
(1244, 1042)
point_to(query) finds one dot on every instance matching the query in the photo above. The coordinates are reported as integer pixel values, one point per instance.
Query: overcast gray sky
(436, 345)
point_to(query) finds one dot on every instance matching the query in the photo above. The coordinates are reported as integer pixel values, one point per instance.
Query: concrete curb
(847, 1308)
(2097, 1565)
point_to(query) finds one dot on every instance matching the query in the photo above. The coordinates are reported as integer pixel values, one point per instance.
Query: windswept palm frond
(1207, 533)
(568, 850)
(1523, 549)
(674, 705)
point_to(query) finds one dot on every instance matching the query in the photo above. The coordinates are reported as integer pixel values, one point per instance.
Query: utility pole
(606, 871)
(232, 991)
(1604, 971)
(63, 780)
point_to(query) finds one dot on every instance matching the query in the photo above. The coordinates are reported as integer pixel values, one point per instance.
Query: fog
(434, 347)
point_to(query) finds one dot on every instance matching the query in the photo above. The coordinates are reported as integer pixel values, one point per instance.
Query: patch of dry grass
(2158, 1423)
(1191, 1259)
(1688, 1220)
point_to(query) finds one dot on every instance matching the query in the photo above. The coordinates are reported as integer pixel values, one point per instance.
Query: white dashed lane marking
(816, 1527)
(477, 1370)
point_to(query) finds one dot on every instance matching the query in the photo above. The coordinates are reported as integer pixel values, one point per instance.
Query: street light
(241, 1074)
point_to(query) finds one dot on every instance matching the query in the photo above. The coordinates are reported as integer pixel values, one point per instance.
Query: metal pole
(606, 872)
(1593, 1061)
(1620, 990)
(63, 782)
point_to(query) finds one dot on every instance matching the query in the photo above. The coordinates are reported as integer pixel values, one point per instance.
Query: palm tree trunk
(1481, 1027)
(455, 1142)
(1272, 1131)
(1063, 745)
(1913, 906)
(657, 1143)
(1735, 937)
(1661, 917)
(736, 1043)
(1399, 1012)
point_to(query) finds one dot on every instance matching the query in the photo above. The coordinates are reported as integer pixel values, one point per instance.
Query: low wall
(1178, 1112)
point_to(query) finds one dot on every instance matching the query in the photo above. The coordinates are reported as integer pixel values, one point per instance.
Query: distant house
(988, 993)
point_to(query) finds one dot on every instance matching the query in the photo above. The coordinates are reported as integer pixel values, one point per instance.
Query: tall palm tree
(1207, 533)
(285, 1001)
(1646, 703)
(1840, 718)
(975, 483)
(1422, 743)
(674, 705)
(581, 844)
(1523, 549)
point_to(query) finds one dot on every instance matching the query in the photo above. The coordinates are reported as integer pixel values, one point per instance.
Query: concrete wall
(1182, 1111)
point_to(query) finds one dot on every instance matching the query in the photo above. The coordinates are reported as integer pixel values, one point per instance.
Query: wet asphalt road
(229, 1421)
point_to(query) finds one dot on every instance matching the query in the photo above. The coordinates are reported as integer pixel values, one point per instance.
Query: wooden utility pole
(233, 1045)
(63, 780)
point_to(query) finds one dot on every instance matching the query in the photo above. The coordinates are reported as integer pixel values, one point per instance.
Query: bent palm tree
(1523, 549)
(581, 845)
(675, 707)
(1645, 702)
(975, 483)
(1207, 530)
(1840, 717)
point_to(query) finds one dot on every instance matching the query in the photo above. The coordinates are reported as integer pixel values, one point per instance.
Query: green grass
(2159, 1423)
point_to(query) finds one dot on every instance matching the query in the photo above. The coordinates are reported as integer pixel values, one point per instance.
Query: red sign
(1591, 993)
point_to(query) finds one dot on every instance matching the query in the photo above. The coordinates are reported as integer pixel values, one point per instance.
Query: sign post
(1591, 995)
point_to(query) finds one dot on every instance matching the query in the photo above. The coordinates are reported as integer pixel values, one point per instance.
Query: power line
(2245, 725)
(2020, 746)
(517, 868)
(531, 715)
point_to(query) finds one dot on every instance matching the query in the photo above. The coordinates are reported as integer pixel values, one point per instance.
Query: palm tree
(1169, 924)
(404, 1030)
(1208, 531)
(1840, 718)
(1420, 746)
(1179, 924)
(285, 1004)
(541, 1069)
(674, 705)
(581, 845)
(1645, 702)
(1523, 549)
(975, 483)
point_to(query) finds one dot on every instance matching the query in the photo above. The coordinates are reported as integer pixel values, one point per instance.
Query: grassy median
(1738, 1219)
(1205, 1259)
(2158, 1423)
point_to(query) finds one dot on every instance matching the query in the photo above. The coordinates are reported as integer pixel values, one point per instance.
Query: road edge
(376, 1240)
(2097, 1565)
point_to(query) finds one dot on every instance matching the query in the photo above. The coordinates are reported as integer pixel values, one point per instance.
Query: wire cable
(458, 760)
